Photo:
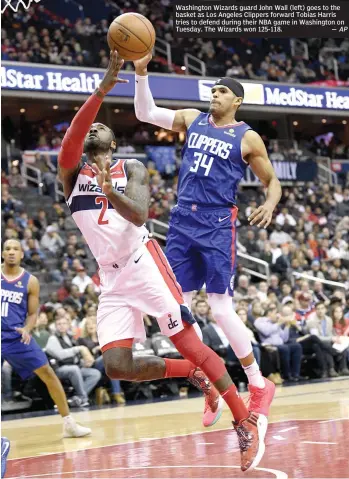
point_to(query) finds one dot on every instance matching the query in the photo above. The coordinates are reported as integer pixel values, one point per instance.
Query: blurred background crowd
(42, 35)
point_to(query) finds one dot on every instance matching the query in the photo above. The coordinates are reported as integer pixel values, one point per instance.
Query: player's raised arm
(134, 204)
(145, 107)
(257, 157)
(73, 142)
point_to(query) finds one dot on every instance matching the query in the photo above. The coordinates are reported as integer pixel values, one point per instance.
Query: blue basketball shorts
(201, 247)
(24, 358)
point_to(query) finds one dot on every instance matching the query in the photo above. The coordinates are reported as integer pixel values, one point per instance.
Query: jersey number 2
(104, 202)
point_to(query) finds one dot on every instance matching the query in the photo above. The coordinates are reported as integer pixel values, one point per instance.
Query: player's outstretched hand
(141, 65)
(26, 336)
(111, 78)
(104, 177)
(262, 216)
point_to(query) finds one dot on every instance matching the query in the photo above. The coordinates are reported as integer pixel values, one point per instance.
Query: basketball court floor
(307, 438)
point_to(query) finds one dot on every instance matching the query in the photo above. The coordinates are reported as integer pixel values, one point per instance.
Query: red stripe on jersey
(165, 270)
(234, 214)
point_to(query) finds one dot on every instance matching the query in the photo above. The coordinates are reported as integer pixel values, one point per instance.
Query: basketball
(132, 35)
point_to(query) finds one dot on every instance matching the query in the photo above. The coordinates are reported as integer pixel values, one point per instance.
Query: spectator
(306, 307)
(51, 241)
(74, 297)
(81, 280)
(280, 237)
(272, 331)
(90, 340)
(202, 314)
(340, 324)
(15, 179)
(41, 333)
(243, 283)
(310, 343)
(69, 356)
(321, 325)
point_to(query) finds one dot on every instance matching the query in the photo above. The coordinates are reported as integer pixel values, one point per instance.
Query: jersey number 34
(203, 161)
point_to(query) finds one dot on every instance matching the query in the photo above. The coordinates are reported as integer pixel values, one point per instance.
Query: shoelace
(244, 438)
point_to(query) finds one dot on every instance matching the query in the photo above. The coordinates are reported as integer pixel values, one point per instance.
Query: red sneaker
(213, 401)
(251, 433)
(261, 399)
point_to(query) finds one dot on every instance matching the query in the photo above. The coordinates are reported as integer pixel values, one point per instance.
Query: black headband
(232, 84)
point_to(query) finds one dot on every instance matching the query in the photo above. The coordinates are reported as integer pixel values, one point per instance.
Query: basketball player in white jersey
(109, 202)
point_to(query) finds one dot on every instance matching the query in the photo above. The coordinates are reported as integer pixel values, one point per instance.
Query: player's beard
(94, 144)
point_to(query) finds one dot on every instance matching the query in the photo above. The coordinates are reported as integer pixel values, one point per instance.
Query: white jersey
(109, 236)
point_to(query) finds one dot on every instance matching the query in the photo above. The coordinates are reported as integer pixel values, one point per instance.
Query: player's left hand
(262, 216)
(111, 77)
(26, 336)
(104, 178)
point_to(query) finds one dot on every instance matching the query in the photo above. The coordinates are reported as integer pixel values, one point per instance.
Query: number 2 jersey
(14, 305)
(212, 163)
(109, 236)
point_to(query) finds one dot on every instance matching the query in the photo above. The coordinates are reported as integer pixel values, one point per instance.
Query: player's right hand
(104, 178)
(111, 78)
(141, 65)
(26, 336)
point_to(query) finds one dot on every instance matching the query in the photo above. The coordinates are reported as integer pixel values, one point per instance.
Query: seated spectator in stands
(214, 337)
(51, 241)
(74, 297)
(27, 235)
(64, 291)
(283, 263)
(274, 285)
(306, 307)
(41, 221)
(202, 313)
(16, 180)
(262, 239)
(276, 154)
(310, 343)
(48, 170)
(90, 294)
(33, 248)
(255, 312)
(58, 215)
(53, 301)
(321, 325)
(251, 244)
(272, 331)
(90, 340)
(243, 283)
(340, 323)
(285, 216)
(74, 362)
(82, 280)
(262, 294)
(279, 236)
(319, 294)
(40, 332)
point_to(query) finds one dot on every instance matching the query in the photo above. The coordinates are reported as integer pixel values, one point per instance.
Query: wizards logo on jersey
(91, 188)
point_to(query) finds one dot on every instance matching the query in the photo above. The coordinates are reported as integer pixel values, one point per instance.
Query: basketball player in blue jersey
(19, 305)
(201, 242)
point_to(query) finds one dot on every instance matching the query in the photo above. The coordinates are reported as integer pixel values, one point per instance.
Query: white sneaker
(73, 429)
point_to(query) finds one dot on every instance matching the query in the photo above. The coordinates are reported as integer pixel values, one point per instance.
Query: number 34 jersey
(109, 236)
(212, 163)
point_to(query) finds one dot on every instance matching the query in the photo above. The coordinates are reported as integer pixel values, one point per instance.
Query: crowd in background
(41, 36)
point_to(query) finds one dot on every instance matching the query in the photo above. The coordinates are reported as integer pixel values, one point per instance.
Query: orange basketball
(132, 35)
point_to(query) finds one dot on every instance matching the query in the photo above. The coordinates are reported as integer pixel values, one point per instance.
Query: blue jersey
(14, 305)
(212, 164)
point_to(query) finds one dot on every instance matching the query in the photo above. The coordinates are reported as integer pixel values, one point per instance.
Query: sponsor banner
(58, 79)
(288, 171)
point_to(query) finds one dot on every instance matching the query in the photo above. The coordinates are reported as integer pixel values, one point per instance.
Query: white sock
(254, 375)
(68, 418)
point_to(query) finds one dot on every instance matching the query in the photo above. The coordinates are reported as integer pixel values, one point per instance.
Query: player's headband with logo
(232, 84)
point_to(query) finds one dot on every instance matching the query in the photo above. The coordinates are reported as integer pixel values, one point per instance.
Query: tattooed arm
(134, 204)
